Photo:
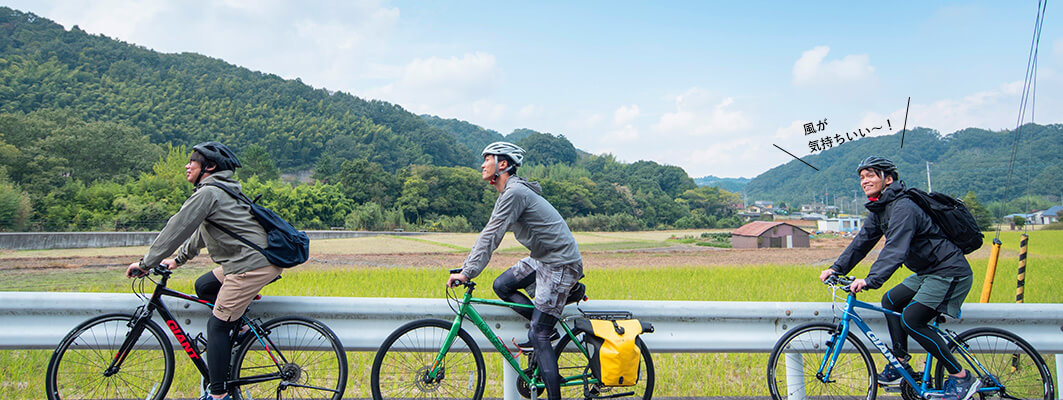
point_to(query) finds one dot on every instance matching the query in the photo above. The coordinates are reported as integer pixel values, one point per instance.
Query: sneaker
(207, 396)
(961, 388)
(891, 376)
(527, 346)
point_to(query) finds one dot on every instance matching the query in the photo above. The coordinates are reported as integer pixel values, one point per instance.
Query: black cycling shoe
(527, 346)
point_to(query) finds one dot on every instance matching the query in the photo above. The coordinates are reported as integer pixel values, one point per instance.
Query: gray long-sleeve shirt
(535, 223)
(187, 231)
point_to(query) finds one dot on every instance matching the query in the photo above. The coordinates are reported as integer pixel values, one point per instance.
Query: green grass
(677, 374)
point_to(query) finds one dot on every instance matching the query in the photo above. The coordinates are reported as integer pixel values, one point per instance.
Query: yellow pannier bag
(614, 349)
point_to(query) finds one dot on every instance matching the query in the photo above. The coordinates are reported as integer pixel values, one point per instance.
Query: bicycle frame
(849, 315)
(144, 313)
(468, 311)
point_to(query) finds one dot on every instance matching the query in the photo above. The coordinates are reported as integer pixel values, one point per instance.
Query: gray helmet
(882, 165)
(507, 149)
(218, 154)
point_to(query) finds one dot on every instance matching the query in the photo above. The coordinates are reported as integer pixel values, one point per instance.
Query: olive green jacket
(188, 231)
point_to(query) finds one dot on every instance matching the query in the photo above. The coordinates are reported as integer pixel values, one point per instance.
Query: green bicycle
(435, 359)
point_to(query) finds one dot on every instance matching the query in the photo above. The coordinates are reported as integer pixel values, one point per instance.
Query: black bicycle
(128, 356)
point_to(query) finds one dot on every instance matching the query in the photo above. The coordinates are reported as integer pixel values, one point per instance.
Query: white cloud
(795, 129)
(626, 114)
(811, 71)
(1057, 48)
(453, 86)
(529, 111)
(698, 113)
(626, 133)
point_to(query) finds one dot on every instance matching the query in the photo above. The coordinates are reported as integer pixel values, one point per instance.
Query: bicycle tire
(76, 368)
(314, 363)
(407, 354)
(853, 376)
(572, 362)
(1011, 360)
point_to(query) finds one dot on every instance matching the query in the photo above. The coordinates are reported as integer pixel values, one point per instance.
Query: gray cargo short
(945, 294)
(552, 283)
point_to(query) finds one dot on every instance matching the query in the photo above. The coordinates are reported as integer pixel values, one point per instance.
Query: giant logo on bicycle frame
(181, 338)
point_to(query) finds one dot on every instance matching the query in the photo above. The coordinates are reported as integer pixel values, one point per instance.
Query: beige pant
(238, 290)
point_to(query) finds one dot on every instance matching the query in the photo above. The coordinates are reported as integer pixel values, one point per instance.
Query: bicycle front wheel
(406, 358)
(303, 355)
(1016, 370)
(794, 366)
(79, 368)
(573, 366)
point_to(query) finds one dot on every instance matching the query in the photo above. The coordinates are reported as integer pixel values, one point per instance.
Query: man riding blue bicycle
(941, 281)
(552, 270)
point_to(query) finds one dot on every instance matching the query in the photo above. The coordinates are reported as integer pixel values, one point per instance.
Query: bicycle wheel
(401, 366)
(310, 361)
(574, 366)
(78, 368)
(793, 367)
(1016, 370)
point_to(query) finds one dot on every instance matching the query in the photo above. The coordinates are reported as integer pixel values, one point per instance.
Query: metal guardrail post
(509, 382)
(795, 376)
(1059, 376)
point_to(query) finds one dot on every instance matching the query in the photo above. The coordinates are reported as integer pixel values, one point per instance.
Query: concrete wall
(77, 240)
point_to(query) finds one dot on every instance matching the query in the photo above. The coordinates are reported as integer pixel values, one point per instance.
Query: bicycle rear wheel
(573, 366)
(304, 355)
(793, 367)
(1016, 369)
(78, 368)
(401, 366)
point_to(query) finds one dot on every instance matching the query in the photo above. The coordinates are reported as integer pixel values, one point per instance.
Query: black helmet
(218, 154)
(884, 166)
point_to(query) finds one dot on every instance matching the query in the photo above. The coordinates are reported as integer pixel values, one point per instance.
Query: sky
(709, 86)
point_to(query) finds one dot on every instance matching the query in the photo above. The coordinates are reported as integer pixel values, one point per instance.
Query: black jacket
(911, 238)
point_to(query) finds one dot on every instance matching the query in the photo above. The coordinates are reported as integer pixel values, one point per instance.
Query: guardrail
(39, 320)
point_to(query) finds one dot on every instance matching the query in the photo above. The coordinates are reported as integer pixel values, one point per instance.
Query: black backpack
(951, 216)
(286, 247)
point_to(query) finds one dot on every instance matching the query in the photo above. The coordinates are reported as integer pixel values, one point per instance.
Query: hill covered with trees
(93, 136)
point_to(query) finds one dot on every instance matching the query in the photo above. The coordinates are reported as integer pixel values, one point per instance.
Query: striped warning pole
(1022, 268)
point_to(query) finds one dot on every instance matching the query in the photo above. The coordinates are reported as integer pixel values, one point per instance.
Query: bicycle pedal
(891, 389)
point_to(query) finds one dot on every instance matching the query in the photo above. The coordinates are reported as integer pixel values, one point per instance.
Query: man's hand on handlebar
(456, 278)
(823, 275)
(857, 285)
(135, 271)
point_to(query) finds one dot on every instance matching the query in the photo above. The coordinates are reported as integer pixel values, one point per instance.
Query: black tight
(219, 334)
(914, 320)
(507, 287)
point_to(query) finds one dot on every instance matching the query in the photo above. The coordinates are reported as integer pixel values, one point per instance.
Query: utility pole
(929, 187)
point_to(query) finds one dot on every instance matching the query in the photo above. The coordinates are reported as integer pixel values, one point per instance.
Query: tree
(548, 149)
(981, 215)
(257, 161)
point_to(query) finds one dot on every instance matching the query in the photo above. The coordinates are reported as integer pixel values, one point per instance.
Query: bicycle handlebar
(840, 281)
(160, 269)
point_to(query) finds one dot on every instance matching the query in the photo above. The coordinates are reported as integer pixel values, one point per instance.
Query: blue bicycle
(813, 361)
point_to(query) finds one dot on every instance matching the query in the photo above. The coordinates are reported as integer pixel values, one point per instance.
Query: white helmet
(507, 149)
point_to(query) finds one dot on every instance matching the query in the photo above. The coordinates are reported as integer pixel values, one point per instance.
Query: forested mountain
(187, 98)
(973, 160)
(728, 184)
(94, 134)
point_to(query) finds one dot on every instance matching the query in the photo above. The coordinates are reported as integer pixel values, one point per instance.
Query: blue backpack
(286, 247)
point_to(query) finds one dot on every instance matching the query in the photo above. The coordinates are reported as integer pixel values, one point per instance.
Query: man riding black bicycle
(551, 272)
(244, 271)
(941, 281)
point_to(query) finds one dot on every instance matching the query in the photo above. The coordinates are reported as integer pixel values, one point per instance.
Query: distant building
(1047, 216)
(840, 224)
(765, 205)
(747, 216)
(761, 234)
